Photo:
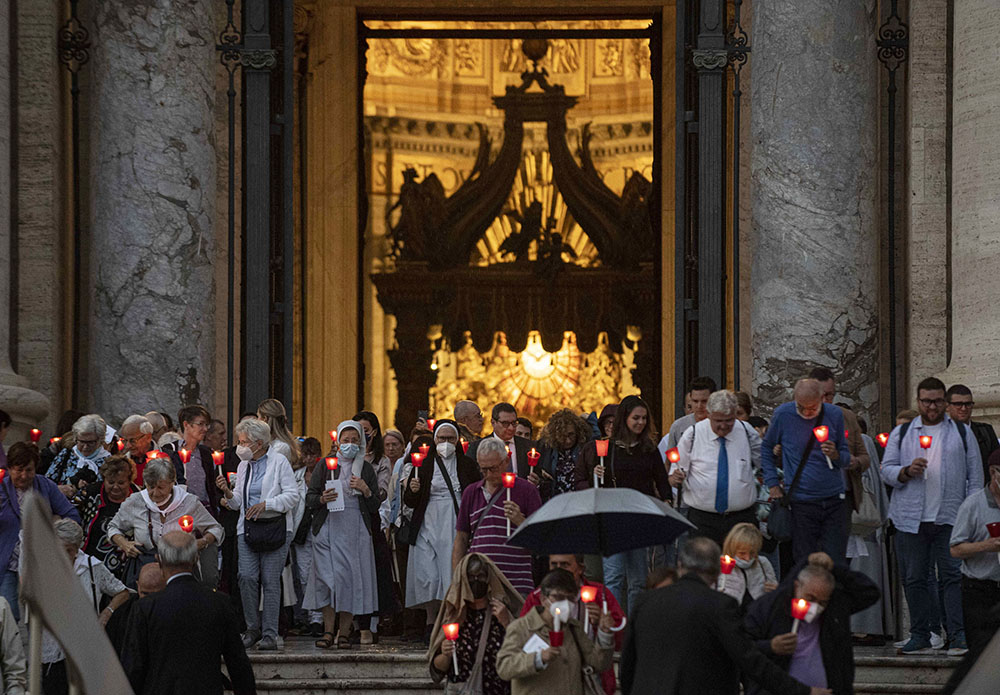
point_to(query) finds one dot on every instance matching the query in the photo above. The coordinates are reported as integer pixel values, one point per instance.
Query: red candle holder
(992, 528)
(726, 564)
(883, 439)
(424, 449)
(185, 455)
(465, 445)
(3, 474)
(602, 447)
(822, 433)
(35, 434)
(588, 594)
(556, 638)
(59, 439)
(799, 608)
(217, 458)
(417, 459)
(187, 523)
(450, 631)
(533, 457)
(154, 454)
(508, 480)
(673, 455)
(925, 441)
(507, 446)
(333, 436)
(331, 463)
(430, 423)
(847, 435)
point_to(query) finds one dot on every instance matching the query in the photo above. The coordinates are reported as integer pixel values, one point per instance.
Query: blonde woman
(753, 575)
(272, 412)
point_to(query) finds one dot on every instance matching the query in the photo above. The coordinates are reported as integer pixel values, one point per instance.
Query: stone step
(905, 688)
(348, 664)
(903, 670)
(348, 686)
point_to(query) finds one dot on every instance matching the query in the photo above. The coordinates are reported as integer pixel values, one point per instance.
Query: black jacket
(685, 639)
(770, 615)
(986, 437)
(521, 448)
(177, 639)
(468, 473)
(369, 505)
(207, 465)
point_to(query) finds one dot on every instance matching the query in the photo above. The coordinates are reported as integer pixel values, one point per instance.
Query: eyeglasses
(506, 423)
(928, 402)
(198, 423)
(489, 469)
(129, 441)
(962, 404)
(86, 442)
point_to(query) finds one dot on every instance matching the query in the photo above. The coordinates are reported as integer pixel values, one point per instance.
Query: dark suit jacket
(770, 615)
(468, 473)
(177, 638)
(986, 437)
(685, 639)
(521, 448)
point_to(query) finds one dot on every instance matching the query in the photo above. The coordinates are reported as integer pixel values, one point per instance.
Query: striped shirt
(490, 538)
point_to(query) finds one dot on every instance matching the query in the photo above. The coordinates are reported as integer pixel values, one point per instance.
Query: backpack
(904, 428)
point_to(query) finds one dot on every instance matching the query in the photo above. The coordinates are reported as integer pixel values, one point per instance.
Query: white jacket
(279, 490)
(13, 668)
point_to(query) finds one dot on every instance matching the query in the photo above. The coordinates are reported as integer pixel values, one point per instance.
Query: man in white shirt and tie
(716, 470)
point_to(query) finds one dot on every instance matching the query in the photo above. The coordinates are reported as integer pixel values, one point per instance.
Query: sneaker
(937, 641)
(958, 647)
(250, 638)
(267, 644)
(916, 645)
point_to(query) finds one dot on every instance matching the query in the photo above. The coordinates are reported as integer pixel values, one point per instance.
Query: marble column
(814, 185)
(975, 223)
(154, 196)
(26, 407)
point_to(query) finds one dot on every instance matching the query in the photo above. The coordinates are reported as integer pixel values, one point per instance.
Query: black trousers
(717, 526)
(979, 599)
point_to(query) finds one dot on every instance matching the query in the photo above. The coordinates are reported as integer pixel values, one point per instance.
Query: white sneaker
(937, 641)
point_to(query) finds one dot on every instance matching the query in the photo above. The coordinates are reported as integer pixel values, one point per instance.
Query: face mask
(244, 453)
(479, 588)
(446, 450)
(814, 611)
(368, 437)
(566, 610)
(348, 451)
(744, 564)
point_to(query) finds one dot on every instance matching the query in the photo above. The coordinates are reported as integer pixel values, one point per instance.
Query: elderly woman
(89, 453)
(483, 603)
(98, 507)
(434, 491)
(342, 581)
(563, 439)
(266, 494)
(98, 583)
(22, 459)
(144, 517)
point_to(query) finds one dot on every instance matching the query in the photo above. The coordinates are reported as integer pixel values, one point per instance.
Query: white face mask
(744, 564)
(244, 453)
(446, 450)
(814, 611)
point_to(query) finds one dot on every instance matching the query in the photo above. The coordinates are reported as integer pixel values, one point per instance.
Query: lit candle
(588, 594)
(883, 438)
(331, 465)
(507, 446)
(726, 565)
(925, 444)
(424, 449)
(333, 436)
(799, 609)
(508, 483)
(187, 523)
(673, 455)
(451, 634)
(417, 459)
(3, 474)
(59, 439)
(430, 423)
(36, 434)
(533, 457)
(556, 635)
(185, 455)
(602, 450)
(822, 434)
(465, 445)
(217, 458)
(154, 454)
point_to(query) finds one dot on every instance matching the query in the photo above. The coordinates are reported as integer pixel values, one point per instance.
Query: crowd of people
(393, 534)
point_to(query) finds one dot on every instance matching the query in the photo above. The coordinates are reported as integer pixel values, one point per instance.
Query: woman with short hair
(266, 494)
(87, 454)
(99, 506)
(143, 518)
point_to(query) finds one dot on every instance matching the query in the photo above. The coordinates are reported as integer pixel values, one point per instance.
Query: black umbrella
(601, 521)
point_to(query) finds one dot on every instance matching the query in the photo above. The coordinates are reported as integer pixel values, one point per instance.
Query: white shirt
(513, 452)
(699, 459)
(932, 488)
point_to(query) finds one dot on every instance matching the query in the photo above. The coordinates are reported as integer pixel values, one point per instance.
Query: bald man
(150, 582)
(469, 417)
(813, 472)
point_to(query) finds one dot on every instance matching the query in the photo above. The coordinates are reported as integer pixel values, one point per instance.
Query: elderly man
(184, 613)
(484, 513)
(215, 437)
(960, 404)
(150, 582)
(697, 395)
(469, 417)
(716, 470)
(929, 485)
(813, 473)
(713, 652)
(137, 435)
(820, 653)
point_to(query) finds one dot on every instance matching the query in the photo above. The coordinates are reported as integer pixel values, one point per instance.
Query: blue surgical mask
(348, 451)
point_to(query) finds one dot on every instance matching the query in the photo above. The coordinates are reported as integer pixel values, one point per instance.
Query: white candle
(508, 518)
(557, 613)
(586, 620)
(795, 626)
(602, 468)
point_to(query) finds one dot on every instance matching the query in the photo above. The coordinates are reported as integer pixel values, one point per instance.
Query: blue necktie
(722, 479)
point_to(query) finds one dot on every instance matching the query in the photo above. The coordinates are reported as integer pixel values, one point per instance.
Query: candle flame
(186, 522)
(333, 436)
(673, 455)
(588, 594)
(726, 564)
(451, 631)
(331, 463)
(883, 438)
(822, 433)
(508, 479)
(925, 441)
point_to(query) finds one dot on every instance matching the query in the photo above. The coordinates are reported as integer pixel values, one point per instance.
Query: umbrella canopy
(601, 521)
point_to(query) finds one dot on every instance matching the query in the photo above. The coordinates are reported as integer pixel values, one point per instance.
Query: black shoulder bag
(779, 520)
(133, 565)
(261, 535)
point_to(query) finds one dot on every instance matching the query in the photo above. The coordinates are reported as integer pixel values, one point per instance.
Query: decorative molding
(709, 58)
(259, 58)
(74, 45)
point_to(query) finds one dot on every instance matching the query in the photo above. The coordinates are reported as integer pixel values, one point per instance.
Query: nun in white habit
(342, 580)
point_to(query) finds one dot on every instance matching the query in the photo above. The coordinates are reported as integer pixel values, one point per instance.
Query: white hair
(140, 422)
(722, 402)
(177, 550)
(157, 470)
(91, 424)
(257, 430)
(69, 532)
(491, 446)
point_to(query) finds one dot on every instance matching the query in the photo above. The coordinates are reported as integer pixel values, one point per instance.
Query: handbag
(473, 685)
(133, 565)
(262, 535)
(779, 520)
(592, 684)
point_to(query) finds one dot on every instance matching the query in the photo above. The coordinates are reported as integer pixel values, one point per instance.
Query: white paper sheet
(535, 644)
(336, 505)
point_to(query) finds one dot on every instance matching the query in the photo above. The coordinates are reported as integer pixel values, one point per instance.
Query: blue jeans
(261, 573)
(821, 525)
(630, 567)
(8, 589)
(917, 552)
